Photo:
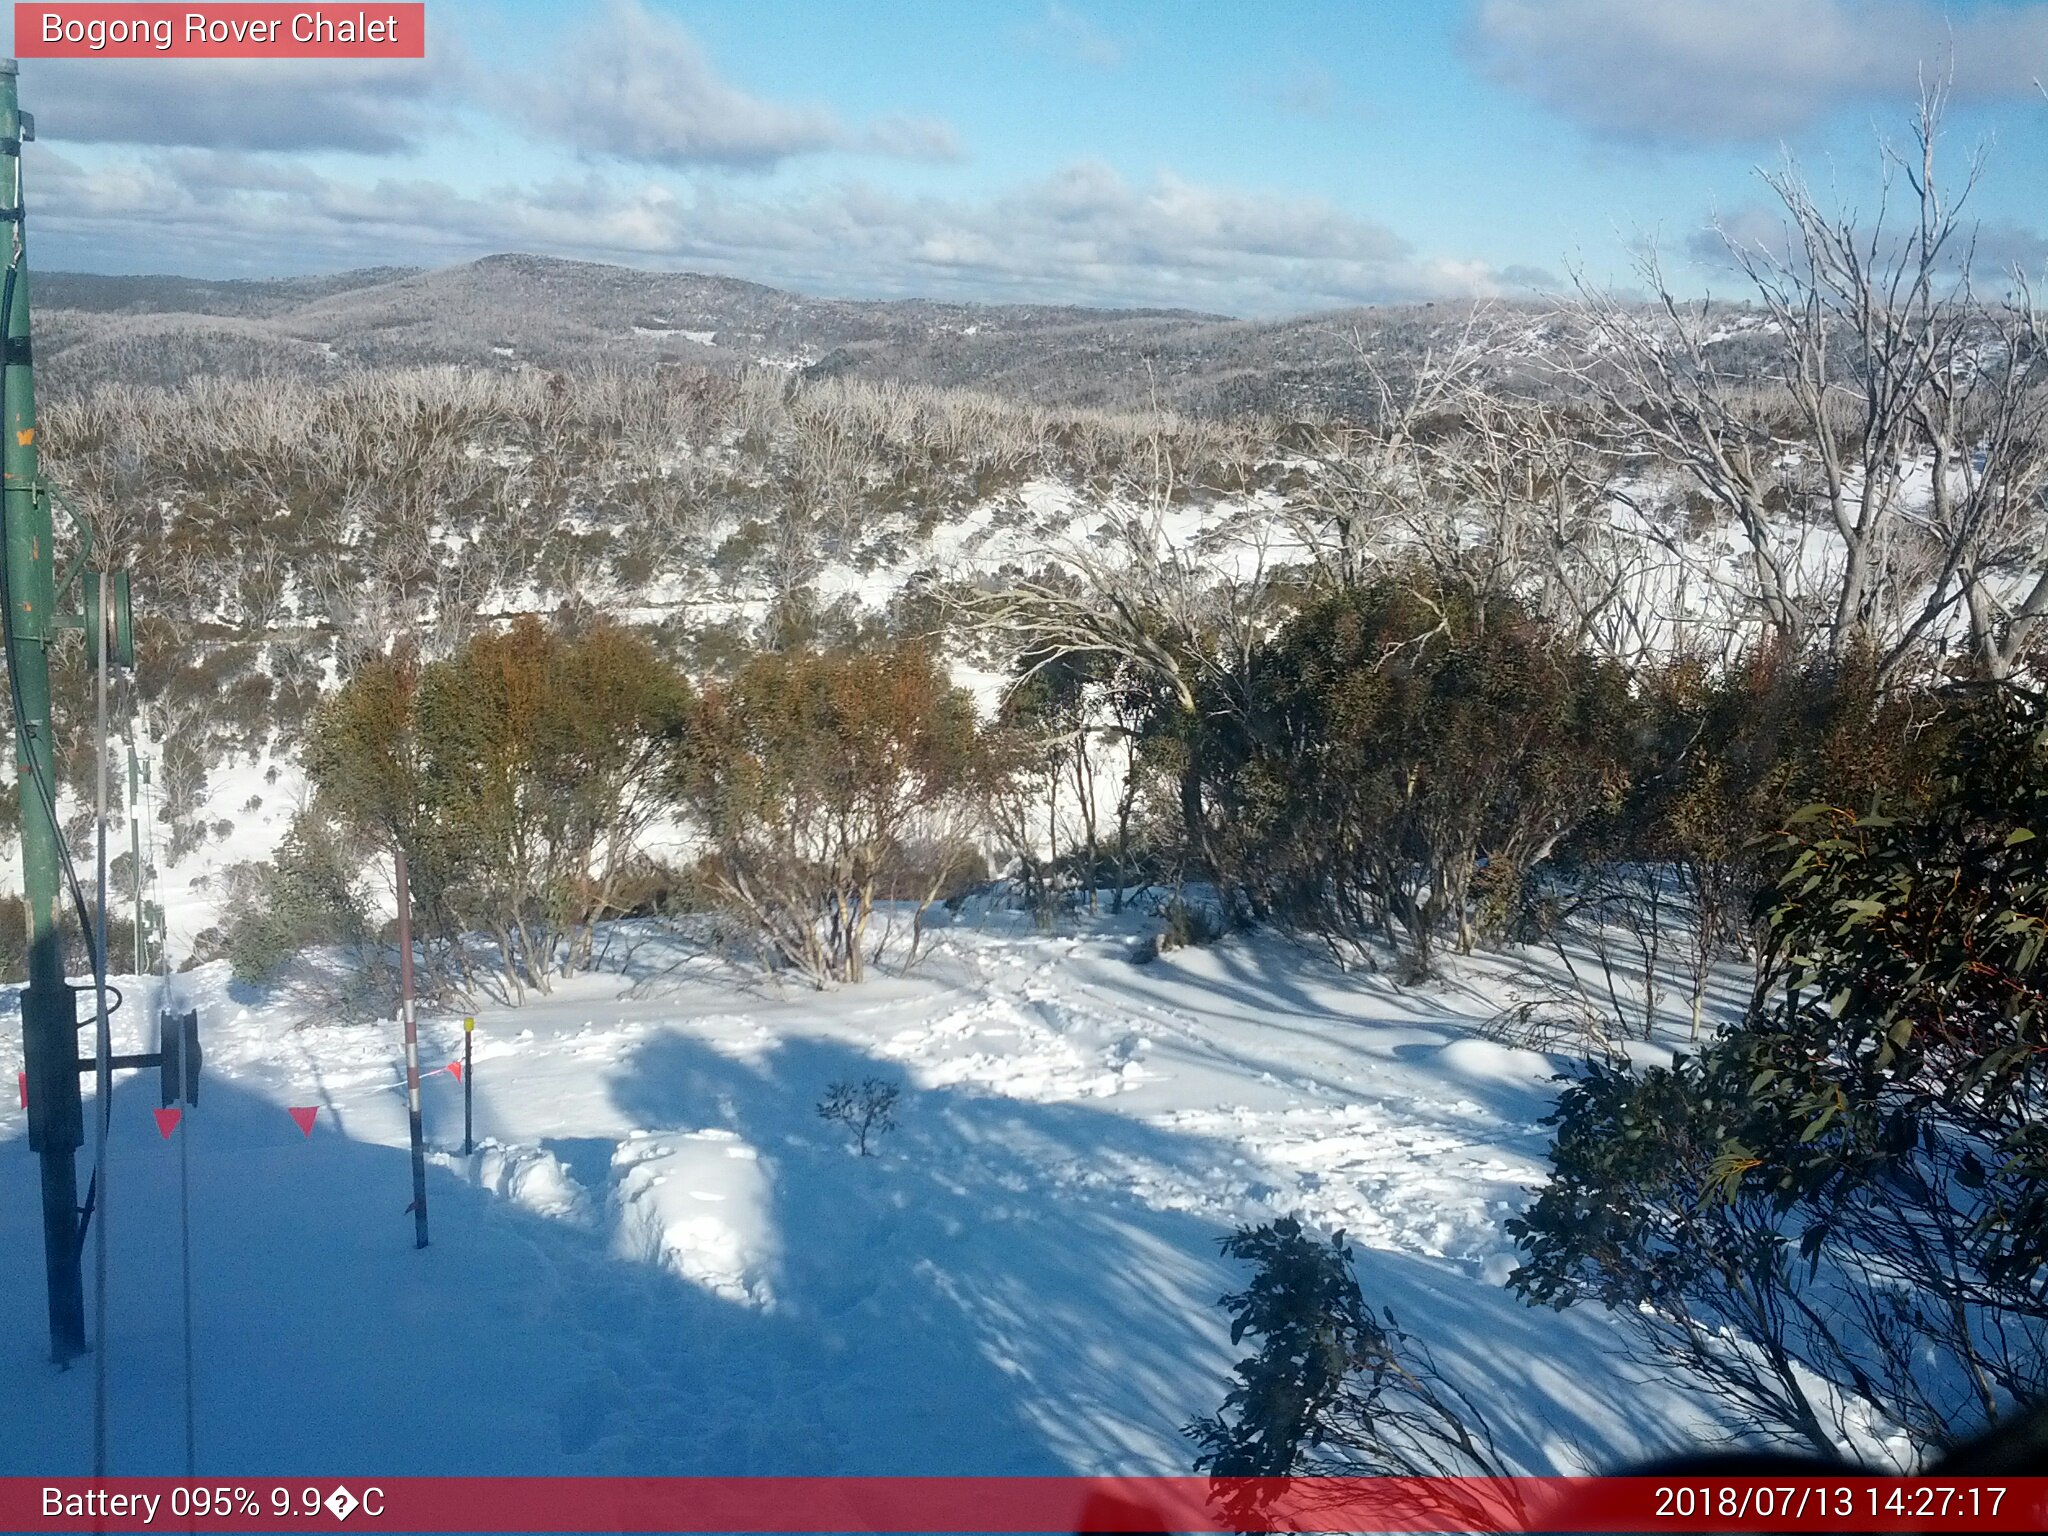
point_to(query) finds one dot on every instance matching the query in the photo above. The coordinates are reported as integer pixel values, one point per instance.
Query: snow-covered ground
(662, 1261)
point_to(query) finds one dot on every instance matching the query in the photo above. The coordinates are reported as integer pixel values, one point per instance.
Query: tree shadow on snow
(516, 1344)
(1022, 1287)
(1008, 1288)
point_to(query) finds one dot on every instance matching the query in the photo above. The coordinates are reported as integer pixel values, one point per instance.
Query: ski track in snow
(659, 1259)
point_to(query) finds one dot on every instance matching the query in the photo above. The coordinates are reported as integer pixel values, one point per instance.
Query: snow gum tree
(822, 780)
(1402, 742)
(1879, 440)
(517, 776)
(542, 761)
(1725, 755)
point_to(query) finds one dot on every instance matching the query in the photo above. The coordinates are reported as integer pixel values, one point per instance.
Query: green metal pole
(49, 1022)
(141, 962)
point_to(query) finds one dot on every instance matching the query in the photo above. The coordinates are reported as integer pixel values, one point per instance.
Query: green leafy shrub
(1832, 1216)
(311, 893)
(1336, 1388)
(1407, 753)
(517, 776)
(824, 779)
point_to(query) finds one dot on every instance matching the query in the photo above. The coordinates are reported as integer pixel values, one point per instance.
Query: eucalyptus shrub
(1835, 1216)
(1408, 752)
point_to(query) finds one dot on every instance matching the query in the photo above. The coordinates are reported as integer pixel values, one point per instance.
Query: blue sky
(1245, 156)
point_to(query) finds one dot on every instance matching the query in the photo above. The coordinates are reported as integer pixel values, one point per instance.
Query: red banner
(1006, 1504)
(113, 31)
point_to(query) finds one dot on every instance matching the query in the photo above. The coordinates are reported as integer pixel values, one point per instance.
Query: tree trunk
(1194, 825)
(1084, 790)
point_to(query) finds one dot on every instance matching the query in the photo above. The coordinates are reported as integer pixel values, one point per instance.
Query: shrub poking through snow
(826, 781)
(1334, 1389)
(518, 775)
(1187, 923)
(866, 1108)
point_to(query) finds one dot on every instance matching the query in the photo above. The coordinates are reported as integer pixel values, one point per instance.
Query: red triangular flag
(456, 1068)
(167, 1121)
(304, 1117)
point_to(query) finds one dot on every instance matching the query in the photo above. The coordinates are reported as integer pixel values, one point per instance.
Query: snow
(696, 1203)
(701, 338)
(660, 1260)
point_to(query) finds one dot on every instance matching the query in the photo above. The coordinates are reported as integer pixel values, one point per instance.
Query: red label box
(1798, 1503)
(366, 29)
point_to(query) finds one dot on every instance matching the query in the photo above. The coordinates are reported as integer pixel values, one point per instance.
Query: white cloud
(1067, 34)
(637, 86)
(1988, 250)
(913, 138)
(371, 106)
(1701, 71)
(1084, 235)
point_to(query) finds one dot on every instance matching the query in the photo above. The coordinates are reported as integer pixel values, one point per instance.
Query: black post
(412, 1057)
(468, 1080)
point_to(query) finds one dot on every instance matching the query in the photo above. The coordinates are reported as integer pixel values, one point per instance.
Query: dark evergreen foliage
(1834, 1212)
(1334, 1387)
(1405, 754)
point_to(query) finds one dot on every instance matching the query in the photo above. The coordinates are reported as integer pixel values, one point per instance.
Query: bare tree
(1532, 505)
(1162, 606)
(1987, 429)
(1371, 491)
(1866, 383)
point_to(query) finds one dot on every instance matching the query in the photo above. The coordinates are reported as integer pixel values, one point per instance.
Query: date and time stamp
(1829, 1506)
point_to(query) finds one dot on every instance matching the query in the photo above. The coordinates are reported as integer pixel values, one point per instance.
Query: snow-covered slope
(662, 1261)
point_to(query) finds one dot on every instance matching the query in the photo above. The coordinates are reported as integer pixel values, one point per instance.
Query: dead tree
(1892, 415)
(1369, 496)
(1166, 609)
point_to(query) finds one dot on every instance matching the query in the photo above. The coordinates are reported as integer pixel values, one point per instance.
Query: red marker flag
(304, 1118)
(456, 1068)
(167, 1121)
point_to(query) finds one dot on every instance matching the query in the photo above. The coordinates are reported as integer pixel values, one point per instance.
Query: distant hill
(514, 310)
(159, 294)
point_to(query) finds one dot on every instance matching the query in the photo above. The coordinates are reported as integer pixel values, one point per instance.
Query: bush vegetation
(1337, 1388)
(825, 781)
(1831, 1216)
(866, 1108)
(518, 777)
(1408, 753)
